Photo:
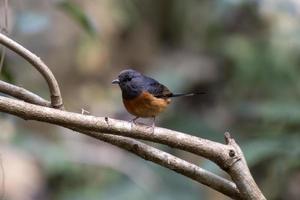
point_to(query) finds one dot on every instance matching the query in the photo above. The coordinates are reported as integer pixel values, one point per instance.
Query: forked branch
(56, 100)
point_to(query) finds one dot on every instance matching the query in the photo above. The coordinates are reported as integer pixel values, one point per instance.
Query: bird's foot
(152, 127)
(133, 121)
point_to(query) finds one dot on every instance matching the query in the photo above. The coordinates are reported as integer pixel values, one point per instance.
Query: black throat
(129, 92)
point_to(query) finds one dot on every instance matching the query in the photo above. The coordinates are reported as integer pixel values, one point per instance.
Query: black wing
(157, 89)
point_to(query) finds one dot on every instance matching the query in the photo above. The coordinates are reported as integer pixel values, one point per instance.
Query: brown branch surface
(56, 100)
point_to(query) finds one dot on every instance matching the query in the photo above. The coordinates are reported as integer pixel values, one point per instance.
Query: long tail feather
(171, 95)
(186, 94)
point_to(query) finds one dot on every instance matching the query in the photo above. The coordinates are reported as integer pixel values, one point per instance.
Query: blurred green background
(244, 53)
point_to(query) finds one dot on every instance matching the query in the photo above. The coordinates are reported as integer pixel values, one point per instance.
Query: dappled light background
(243, 53)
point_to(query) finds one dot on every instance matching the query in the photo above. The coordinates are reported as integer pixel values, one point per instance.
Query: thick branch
(23, 94)
(169, 161)
(56, 100)
(240, 172)
(214, 151)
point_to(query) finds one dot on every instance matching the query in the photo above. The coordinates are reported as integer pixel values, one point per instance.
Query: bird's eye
(129, 79)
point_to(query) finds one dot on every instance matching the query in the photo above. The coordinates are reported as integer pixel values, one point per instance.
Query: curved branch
(217, 152)
(56, 100)
(171, 162)
(23, 94)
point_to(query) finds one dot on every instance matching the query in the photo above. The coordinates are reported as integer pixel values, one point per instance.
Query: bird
(143, 96)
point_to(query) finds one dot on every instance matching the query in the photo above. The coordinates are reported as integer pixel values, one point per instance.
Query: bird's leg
(133, 121)
(153, 124)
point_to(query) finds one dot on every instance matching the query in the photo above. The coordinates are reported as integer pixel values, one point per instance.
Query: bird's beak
(116, 81)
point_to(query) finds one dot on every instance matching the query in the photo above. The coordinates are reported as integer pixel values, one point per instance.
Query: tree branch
(56, 100)
(240, 172)
(142, 150)
(23, 94)
(171, 162)
(218, 153)
(214, 151)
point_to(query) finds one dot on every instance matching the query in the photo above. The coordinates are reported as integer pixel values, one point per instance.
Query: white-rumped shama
(143, 96)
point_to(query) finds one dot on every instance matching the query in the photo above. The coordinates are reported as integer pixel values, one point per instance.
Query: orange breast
(146, 105)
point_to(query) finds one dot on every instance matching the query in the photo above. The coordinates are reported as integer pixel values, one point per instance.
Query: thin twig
(2, 58)
(23, 94)
(56, 100)
(6, 15)
(4, 30)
